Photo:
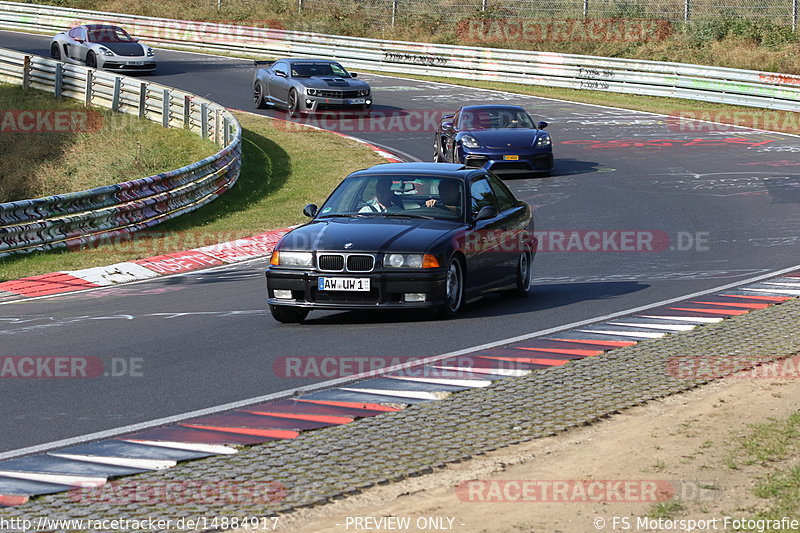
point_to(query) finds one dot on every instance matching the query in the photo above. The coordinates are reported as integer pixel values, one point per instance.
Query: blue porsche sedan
(500, 138)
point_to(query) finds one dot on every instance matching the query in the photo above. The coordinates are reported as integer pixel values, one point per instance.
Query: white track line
(129, 462)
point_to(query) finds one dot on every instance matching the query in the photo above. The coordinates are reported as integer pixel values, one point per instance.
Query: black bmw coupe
(404, 236)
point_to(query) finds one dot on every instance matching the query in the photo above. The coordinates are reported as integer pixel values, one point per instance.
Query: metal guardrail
(74, 219)
(652, 78)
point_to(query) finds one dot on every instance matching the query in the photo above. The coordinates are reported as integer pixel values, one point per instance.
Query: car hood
(369, 235)
(331, 82)
(124, 49)
(506, 138)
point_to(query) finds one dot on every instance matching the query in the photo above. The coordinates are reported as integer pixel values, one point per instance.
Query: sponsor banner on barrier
(511, 30)
(50, 121)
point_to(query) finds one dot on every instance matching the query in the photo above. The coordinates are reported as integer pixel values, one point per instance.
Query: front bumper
(387, 289)
(133, 64)
(532, 161)
(320, 104)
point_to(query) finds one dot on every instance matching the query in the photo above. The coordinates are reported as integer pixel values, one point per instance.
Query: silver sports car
(309, 86)
(103, 46)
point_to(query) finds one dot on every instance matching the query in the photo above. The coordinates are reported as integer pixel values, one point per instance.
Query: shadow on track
(542, 298)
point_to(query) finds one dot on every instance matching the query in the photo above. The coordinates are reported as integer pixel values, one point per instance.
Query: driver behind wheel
(384, 199)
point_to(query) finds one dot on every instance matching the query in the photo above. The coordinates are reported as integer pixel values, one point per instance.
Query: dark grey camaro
(309, 86)
(404, 236)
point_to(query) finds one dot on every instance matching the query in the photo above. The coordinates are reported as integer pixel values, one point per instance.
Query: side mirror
(353, 75)
(448, 126)
(542, 125)
(310, 210)
(486, 212)
(281, 73)
(78, 40)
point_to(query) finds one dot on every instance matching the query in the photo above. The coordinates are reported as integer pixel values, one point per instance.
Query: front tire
(55, 52)
(288, 315)
(524, 274)
(454, 288)
(91, 60)
(258, 96)
(292, 104)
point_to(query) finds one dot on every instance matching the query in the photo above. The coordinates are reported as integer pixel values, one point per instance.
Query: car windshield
(109, 34)
(306, 70)
(494, 118)
(382, 196)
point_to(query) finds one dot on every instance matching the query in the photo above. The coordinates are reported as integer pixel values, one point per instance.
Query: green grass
(112, 148)
(283, 170)
(775, 448)
(666, 510)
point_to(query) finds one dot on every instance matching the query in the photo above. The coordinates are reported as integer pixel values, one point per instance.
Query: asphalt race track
(709, 208)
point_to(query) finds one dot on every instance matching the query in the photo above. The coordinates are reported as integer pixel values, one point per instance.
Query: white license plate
(343, 284)
(357, 101)
(136, 62)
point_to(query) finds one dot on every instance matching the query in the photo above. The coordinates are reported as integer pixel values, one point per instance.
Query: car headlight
(363, 92)
(470, 142)
(106, 51)
(312, 92)
(410, 261)
(292, 259)
(151, 52)
(544, 140)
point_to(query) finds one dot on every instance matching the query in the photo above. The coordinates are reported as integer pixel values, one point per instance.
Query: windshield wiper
(344, 215)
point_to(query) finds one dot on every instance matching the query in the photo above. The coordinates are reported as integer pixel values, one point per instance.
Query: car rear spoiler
(265, 63)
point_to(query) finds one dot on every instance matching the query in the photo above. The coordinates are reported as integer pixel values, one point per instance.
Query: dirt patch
(680, 449)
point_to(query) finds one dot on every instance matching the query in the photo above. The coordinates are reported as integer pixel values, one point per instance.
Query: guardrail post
(794, 15)
(585, 8)
(187, 111)
(87, 95)
(165, 109)
(687, 6)
(142, 99)
(226, 134)
(117, 90)
(216, 126)
(299, 6)
(204, 120)
(484, 5)
(26, 72)
(59, 79)
(394, 12)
